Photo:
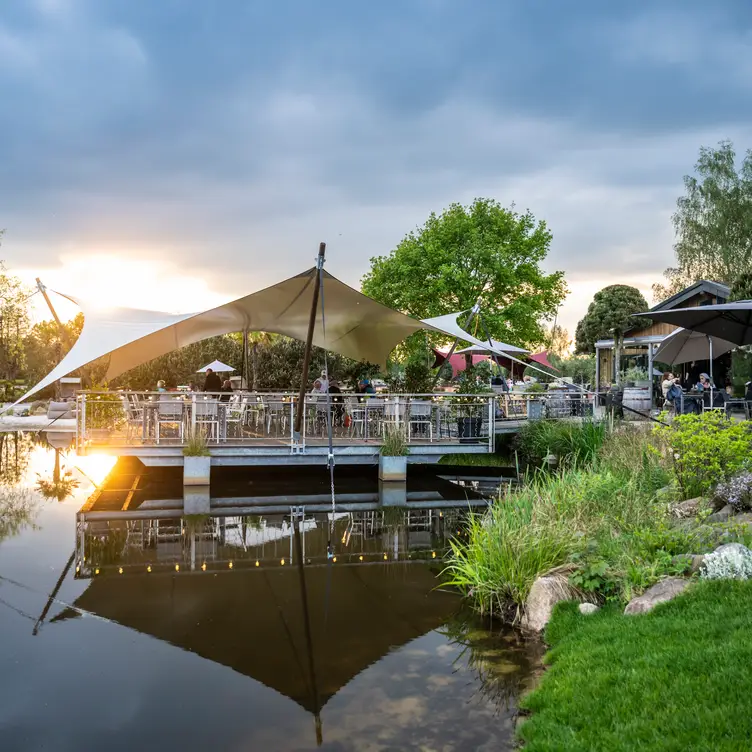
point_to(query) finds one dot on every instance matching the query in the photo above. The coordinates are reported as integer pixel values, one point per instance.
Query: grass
(674, 679)
(395, 444)
(477, 460)
(195, 445)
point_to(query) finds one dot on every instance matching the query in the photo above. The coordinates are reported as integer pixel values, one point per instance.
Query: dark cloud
(233, 136)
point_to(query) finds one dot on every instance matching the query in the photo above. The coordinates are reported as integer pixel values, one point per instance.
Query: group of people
(673, 393)
(212, 383)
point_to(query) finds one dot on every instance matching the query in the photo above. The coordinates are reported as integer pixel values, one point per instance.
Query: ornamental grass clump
(733, 563)
(737, 492)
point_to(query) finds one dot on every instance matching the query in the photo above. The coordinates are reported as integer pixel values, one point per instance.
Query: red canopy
(541, 359)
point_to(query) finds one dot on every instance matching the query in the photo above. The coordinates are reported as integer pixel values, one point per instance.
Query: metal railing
(129, 418)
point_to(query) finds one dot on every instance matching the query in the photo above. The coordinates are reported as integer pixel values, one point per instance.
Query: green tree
(480, 251)
(741, 358)
(557, 341)
(610, 315)
(14, 323)
(713, 221)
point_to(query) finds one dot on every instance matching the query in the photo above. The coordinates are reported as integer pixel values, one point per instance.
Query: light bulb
(203, 567)
(230, 565)
(177, 567)
(148, 569)
(120, 570)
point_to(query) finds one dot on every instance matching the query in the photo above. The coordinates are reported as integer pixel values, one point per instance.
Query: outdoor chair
(356, 411)
(236, 414)
(276, 413)
(170, 412)
(207, 415)
(134, 415)
(420, 417)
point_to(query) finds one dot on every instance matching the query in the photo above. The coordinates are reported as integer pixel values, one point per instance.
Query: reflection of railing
(152, 418)
(224, 543)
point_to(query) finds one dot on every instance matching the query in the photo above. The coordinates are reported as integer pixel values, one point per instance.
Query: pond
(193, 653)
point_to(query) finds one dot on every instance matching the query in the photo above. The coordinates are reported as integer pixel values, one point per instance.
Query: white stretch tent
(217, 366)
(356, 326)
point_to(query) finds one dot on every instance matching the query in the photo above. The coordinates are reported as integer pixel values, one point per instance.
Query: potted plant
(196, 460)
(393, 456)
(472, 384)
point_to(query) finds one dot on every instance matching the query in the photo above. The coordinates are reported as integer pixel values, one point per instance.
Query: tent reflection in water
(253, 620)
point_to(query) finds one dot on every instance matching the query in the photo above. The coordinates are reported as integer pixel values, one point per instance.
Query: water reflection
(18, 510)
(357, 654)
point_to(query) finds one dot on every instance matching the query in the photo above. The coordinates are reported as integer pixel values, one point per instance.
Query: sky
(174, 155)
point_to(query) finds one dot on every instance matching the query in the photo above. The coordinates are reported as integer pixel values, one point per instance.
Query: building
(641, 342)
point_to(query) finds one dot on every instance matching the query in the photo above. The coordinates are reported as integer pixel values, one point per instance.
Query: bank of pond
(640, 534)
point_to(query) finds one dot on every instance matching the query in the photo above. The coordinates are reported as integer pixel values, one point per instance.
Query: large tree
(468, 252)
(713, 221)
(610, 315)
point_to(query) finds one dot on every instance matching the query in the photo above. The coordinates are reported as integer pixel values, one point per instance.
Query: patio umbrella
(728, 321)
(685, 345)
(217, 366)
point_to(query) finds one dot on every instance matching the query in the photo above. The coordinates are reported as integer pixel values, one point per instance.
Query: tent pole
(309, 344)
(473, 311)
(244, 372)
(710, 367)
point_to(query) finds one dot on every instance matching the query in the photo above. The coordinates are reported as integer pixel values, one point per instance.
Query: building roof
(717, 289)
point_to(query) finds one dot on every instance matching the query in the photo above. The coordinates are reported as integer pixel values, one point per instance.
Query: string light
(96, 571)
(229, 565)
(384, 557)
(203, 567)
(120, 570)
(257, 564)
(78, 569)
(360, 557)
(282, 562)
(334, 559)
(148, 568)
(433, 554)
(177, 567)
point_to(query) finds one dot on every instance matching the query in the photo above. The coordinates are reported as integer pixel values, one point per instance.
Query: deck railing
(128, 418)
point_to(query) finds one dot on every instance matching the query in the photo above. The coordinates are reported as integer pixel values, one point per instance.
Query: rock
(588, 608)
(745, 518)
(733, 548)
(688, 508)
(691, 562)
(722, 514)
(661, 592)
(545, 593)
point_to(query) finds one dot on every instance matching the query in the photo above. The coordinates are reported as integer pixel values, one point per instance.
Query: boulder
(688, 508)
(587, 608)
(745, 518)
(546, 592)
(722, 514)
(662, 591)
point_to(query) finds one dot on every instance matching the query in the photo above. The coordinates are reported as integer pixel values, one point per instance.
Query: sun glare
(94, 466)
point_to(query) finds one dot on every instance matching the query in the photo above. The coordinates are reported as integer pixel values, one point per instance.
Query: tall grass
(586, 510)
(394, 443)
(574, 443)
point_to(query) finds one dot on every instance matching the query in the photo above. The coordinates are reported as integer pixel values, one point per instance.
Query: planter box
(196, 471)
(468, 429)
(392, 468)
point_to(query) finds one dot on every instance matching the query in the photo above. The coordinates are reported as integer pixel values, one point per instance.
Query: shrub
(706, 448)
(737, 491)
(195, 445)
(730, 564)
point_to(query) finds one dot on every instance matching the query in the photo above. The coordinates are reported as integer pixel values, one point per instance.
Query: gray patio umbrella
(729, 321)
(685, 345)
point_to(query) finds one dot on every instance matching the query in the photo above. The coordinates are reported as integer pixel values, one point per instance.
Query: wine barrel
(636, 399)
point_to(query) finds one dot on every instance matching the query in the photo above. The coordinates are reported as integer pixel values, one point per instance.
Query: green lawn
(679, 678)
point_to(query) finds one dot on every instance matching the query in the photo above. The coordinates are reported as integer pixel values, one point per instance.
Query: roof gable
(677, 300)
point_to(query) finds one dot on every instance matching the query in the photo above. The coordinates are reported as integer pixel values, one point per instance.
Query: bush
(707, 448)
(729, 564)
(737, 492)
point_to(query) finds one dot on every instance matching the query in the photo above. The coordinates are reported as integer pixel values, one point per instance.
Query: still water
(228, 658)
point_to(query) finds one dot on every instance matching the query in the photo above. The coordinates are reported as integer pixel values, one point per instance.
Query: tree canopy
(480, 251)
(713, 221)
(741, 287)
(609, 315)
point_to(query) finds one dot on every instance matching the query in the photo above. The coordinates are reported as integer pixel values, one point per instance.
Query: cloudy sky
(178, 154)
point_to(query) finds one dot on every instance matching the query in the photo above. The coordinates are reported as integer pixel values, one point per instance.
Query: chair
(207, 414)
(420, 414)
(170, 412)
(237, 411)
(276, 412)
(134, 414)
(356, 411)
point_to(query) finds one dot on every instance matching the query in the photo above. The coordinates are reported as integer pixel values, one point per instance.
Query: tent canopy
(495, 346)
(217, 366)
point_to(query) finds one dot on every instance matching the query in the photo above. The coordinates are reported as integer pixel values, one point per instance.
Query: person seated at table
(161, 386)
(364, 388)
(324, 381)
(226, 391)
(318, 388)
(212, 383)
(704, 383)
(670, 388)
